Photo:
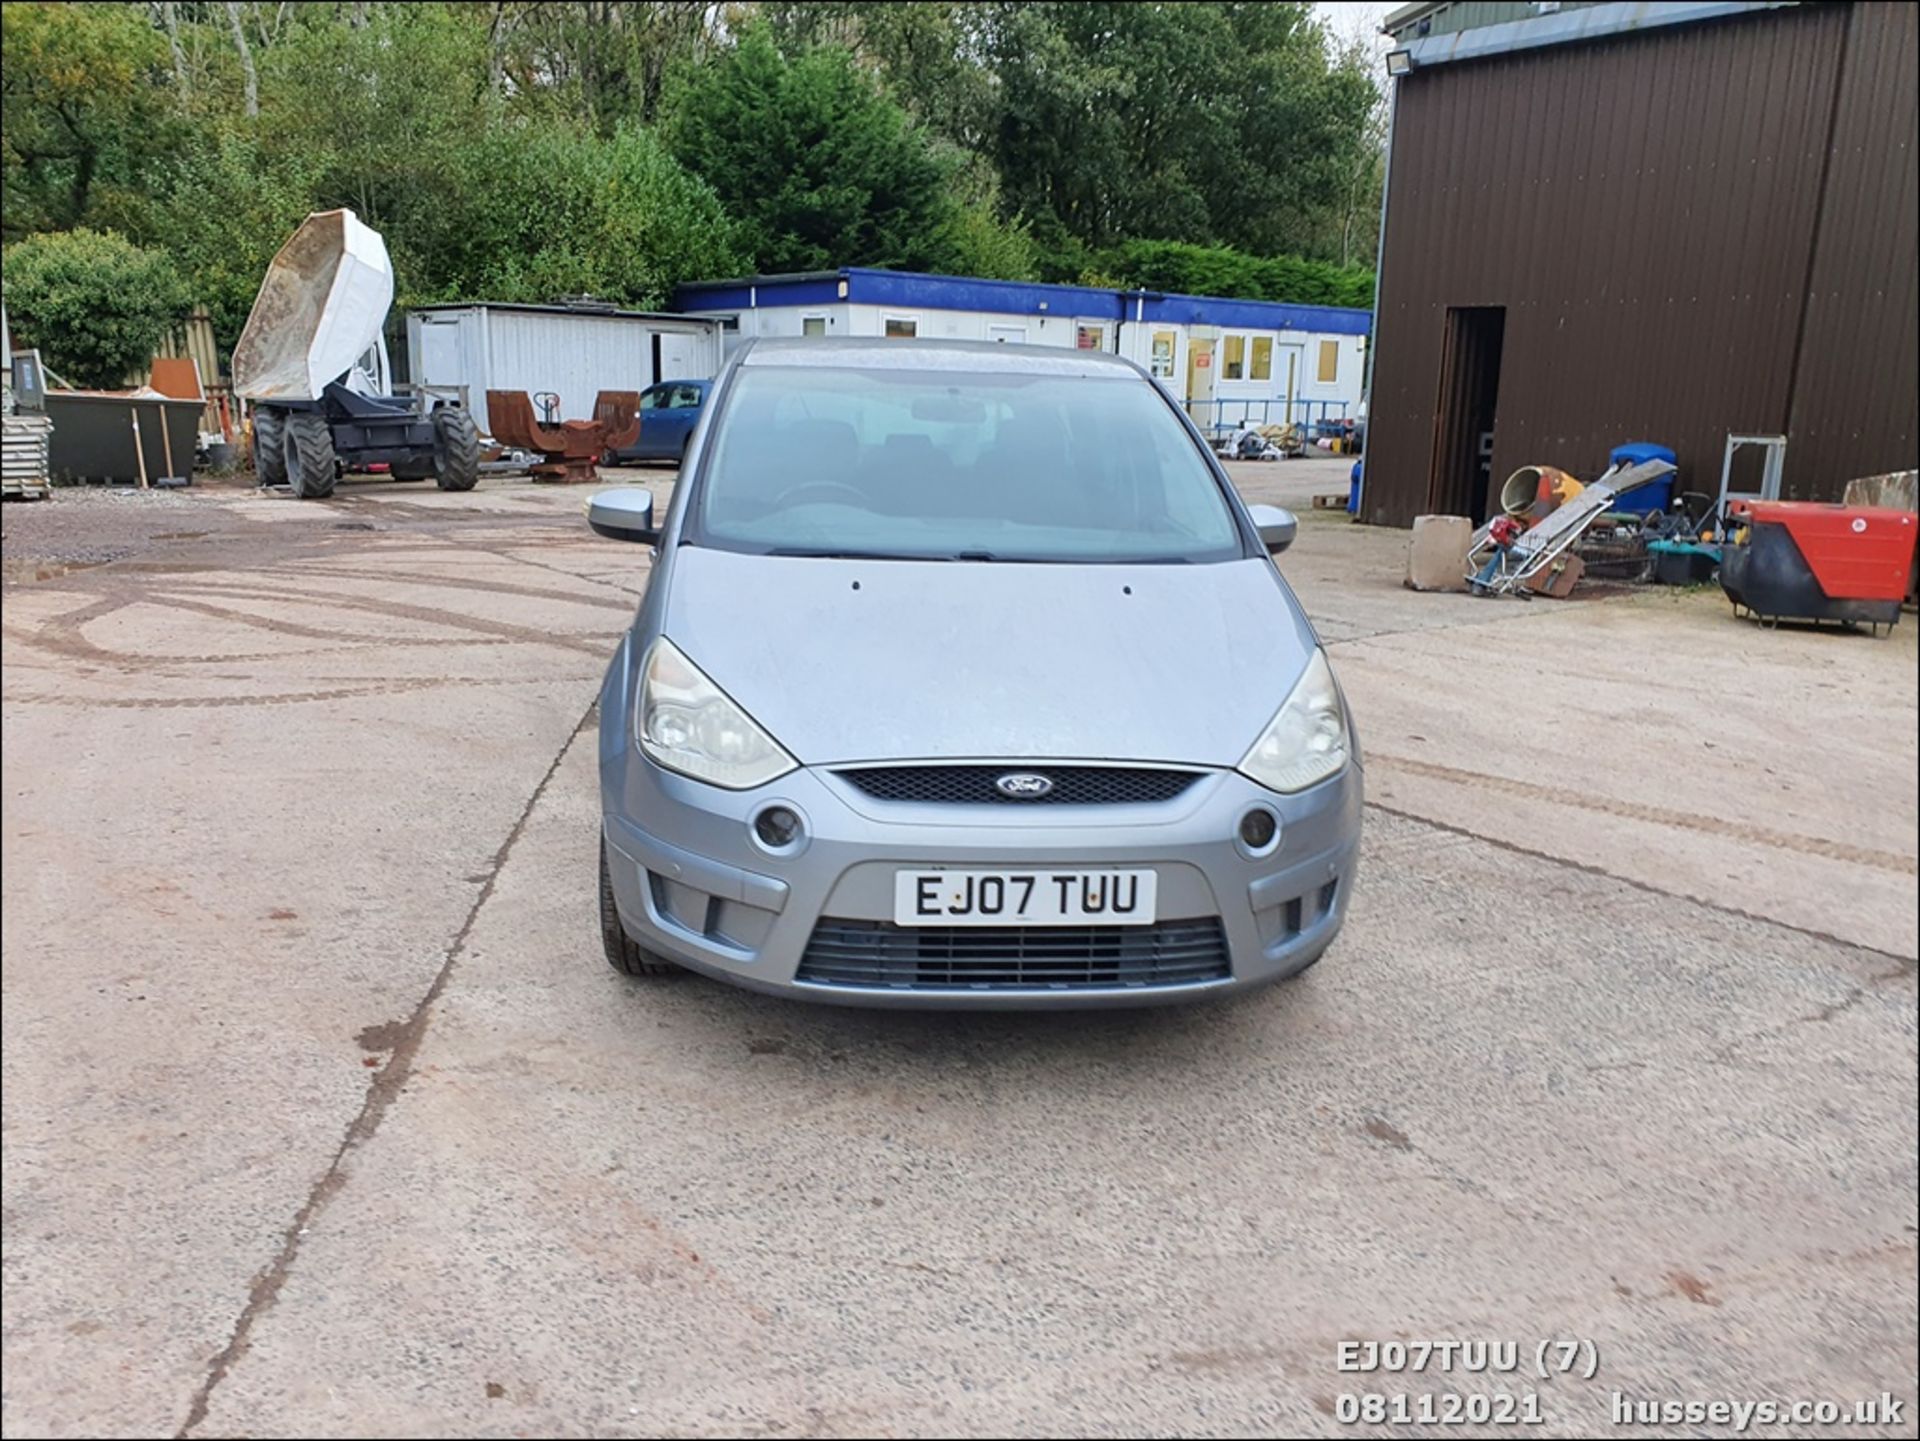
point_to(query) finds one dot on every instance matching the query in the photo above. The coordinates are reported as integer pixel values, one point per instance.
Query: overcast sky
(1350, 18)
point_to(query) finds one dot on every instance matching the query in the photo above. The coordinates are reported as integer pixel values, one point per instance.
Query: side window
(1262, 368)
(686, 397)
(652, 399)
(1235, 365)
(1329, 361)
(902, 327)
(813, 325)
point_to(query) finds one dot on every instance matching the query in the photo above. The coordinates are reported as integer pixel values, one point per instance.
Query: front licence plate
(1023, 898)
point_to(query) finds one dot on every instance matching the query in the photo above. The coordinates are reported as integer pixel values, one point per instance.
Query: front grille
(974, 784)
(1013, 958)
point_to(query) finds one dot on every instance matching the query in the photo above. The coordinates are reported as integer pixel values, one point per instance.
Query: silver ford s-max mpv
(963, 678)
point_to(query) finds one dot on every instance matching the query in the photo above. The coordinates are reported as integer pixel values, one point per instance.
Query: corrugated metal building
(574, 353)
(1627, 222)
(1448, 17)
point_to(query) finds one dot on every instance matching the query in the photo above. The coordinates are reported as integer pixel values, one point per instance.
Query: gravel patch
(77, 526)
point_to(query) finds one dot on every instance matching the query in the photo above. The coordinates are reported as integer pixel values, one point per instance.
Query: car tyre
(624, 954)
(1293, 976)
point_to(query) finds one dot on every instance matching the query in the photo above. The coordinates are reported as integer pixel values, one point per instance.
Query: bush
(1220, 270)
(95, 304)
(548, 210)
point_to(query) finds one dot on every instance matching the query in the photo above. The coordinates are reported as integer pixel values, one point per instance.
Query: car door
(653, 420)
(680, 409)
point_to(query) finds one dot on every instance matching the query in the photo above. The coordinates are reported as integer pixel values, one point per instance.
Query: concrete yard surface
(323, 1113)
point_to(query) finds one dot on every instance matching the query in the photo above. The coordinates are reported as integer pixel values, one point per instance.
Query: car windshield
(938, 465)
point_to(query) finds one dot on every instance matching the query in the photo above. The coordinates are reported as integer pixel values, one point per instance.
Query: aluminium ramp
(1563, 526)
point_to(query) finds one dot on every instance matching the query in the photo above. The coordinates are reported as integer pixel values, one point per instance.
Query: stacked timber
(23, 457)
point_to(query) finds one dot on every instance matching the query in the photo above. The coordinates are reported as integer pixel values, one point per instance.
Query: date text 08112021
(1500, 1408)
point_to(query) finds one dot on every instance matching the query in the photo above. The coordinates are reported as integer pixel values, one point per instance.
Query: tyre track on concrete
(1586, 868)
(372, 686)
(64, 635)
(1654, 815)
(382, 1090)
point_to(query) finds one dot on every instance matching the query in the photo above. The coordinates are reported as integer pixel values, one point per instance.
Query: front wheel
(269, 445)
(312, 467)
(456, 449)
(623, 953)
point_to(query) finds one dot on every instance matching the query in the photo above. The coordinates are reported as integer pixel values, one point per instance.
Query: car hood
(849, 660)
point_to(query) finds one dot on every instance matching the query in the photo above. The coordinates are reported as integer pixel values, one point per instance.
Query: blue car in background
(668, 413)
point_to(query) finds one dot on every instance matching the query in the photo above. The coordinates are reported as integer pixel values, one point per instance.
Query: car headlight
(688, 724)
(1306, 741)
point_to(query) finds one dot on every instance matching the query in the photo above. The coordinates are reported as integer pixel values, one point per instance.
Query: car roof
(878, 353)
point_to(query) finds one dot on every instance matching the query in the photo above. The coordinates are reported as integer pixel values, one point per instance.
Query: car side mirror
(1277, 527)
(624, 514)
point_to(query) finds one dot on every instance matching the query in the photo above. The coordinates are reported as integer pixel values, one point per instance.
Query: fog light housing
(779, 828)
(1259, 831)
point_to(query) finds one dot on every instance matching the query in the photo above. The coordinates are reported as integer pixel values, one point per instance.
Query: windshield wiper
(811, 554)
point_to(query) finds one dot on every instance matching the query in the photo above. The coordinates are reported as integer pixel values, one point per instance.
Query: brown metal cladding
(1856, 398)
(1645, 208)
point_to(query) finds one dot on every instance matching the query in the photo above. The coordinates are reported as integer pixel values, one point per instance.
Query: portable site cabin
(1228, 361)
(572, 352)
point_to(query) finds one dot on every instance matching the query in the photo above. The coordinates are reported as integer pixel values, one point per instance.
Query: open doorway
(1462, 479)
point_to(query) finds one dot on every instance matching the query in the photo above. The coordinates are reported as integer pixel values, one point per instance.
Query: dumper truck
(312, 364)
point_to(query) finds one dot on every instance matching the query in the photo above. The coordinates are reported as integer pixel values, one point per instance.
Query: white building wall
(1291, 384)
(1249, 397)
(1062, 331)
(574, 355)
(847, 318)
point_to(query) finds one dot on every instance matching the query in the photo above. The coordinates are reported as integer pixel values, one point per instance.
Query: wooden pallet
(1331, 500)
(23, 457)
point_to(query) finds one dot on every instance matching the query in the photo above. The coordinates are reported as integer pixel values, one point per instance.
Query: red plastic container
(1807, 561)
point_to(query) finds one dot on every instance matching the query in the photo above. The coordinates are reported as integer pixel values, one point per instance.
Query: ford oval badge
(1023, 786)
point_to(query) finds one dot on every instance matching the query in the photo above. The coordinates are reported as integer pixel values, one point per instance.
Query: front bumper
(692, 882)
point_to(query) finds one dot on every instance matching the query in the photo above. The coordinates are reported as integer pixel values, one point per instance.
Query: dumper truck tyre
(311, 465)
(269, 445)
(623, 953)
(456, 449)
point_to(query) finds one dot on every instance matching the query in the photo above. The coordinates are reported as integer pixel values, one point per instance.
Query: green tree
(924, 53)
(229, 203)
(819, 167)
(1209, 123)
(85, 115)
(551, 211)
(510, 149)
(95, 304)
(609, 63)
